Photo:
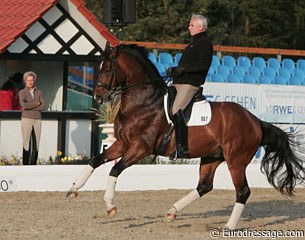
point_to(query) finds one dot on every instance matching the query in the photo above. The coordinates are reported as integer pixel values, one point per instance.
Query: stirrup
(173, 156)
(179, 153)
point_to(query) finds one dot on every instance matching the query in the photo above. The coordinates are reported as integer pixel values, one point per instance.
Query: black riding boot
(34, 152)
(25, 157)
(33, 159)
(181, 132)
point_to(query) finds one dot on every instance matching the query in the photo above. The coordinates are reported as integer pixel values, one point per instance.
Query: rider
(188, 76)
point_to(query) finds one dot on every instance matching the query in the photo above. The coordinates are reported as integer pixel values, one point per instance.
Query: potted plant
(108, 110)
(106, 114)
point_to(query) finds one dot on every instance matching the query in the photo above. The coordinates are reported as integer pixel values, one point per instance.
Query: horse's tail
(282, 164)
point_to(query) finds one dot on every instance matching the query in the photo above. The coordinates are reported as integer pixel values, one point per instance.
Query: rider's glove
(174, 71)
(179, 70)
(170, 71)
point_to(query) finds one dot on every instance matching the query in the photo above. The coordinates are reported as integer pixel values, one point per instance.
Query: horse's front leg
(115, 151)
(134, 154)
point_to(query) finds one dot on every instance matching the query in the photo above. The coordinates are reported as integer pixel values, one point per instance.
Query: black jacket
(195, 61)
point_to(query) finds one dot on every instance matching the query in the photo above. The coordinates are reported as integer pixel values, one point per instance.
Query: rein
(123, 89)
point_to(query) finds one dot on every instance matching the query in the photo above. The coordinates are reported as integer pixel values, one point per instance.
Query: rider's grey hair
(202, 21)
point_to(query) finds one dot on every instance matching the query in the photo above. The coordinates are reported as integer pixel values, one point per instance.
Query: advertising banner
(8, 184)
(271, 103)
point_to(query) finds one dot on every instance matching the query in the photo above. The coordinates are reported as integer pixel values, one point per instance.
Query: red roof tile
(93, 20)
(16, 16)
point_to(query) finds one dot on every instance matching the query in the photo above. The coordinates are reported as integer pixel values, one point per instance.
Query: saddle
(188, 110)
(197, 113)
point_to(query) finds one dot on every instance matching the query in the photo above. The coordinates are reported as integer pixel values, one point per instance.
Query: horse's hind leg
(238, 174)
(205, 184)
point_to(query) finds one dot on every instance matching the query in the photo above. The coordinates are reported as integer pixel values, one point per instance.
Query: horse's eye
(108, 69)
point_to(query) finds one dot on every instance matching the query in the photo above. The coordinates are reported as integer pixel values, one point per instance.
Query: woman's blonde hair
(29, 74)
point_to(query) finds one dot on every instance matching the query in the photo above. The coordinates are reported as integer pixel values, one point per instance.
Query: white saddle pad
(201, 113)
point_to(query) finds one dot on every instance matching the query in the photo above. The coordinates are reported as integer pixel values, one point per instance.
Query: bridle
(114, 61)
(117, 90)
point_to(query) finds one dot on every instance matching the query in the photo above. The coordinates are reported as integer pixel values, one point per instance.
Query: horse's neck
(140, 97)
(137, 78)
(140, 91)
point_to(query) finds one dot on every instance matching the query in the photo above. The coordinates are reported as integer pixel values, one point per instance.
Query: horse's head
(123, 66)
(109, 76)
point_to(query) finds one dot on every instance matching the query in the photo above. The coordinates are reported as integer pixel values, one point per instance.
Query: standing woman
(32, 103)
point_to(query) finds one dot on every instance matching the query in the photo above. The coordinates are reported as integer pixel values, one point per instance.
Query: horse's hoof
(71, 195)
(227, 228)
(112, 212)
(170, 217)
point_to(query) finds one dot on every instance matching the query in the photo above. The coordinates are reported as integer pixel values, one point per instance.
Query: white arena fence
(137, 177)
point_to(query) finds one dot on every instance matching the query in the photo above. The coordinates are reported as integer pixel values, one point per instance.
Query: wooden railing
(155, 45)
(228, 49)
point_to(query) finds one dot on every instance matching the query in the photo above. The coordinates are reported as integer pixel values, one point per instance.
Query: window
(80, 87)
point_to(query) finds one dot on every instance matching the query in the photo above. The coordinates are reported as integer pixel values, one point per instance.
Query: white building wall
(78, 137)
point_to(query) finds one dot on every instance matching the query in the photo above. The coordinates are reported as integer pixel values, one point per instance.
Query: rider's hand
(179, 70)
(170, 71)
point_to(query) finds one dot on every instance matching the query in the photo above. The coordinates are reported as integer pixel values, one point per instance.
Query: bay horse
(233, 135)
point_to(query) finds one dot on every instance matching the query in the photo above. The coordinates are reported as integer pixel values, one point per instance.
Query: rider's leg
(181, 135)
(185, 93)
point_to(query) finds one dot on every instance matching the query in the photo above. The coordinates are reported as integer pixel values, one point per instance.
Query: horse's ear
(117, 50)
(107, 46)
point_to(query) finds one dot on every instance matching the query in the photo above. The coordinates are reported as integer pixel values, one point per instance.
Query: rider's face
(194, 27)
